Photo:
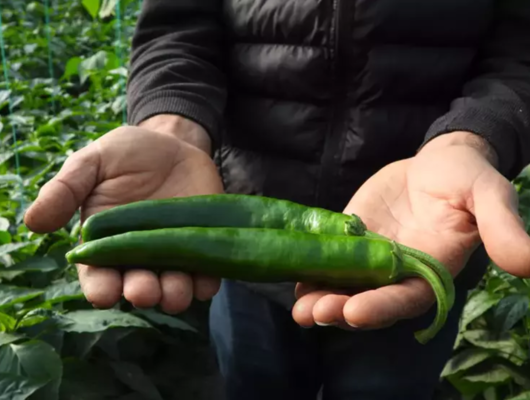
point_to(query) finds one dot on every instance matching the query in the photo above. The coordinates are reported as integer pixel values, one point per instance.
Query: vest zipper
(331, 154)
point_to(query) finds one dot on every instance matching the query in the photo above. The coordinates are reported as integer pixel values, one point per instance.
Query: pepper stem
(431, 262)
(355, 226)
(437, 267)
(414, 267)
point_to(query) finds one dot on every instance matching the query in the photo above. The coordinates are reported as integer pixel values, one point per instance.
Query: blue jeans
(264, 355)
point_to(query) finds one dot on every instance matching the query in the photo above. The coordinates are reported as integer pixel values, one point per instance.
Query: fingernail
(352, 325)
(326, 324)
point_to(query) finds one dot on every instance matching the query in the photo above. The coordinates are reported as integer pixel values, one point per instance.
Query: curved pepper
(265, 255)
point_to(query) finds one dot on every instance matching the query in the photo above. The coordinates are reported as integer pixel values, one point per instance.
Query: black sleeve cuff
(495, 128)
(187, 106)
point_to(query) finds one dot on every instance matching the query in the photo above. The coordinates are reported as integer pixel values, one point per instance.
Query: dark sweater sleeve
(176, 63)
(495, 102)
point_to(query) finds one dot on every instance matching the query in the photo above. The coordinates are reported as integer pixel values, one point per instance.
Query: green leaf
(30, 48)
(133, 376)
(513, 280)
(72, 67)
(10, 295)
(5, 237)
(491, 394)
(11, 247)
(10, 179)
(477, 305)
(121, 71)
(5, 155)
(119, 104)
(33, 178)
(521, 396)
(36, 361)
(84, 343)
(107, 8)
(4, 96)
(519, 374)
(92, 7)
(40, 362)
(458, 341)
(96, 62)
(465, 359)
(4, 222)
(111, 341)
(494, 374)
(63, 291)
(509, 311)
(35, 264)
(7, 338)
(7, 323)
(46, 241)
(163, 319)
(504, 345)
(36, 316)
(99, 320)
(16, 387)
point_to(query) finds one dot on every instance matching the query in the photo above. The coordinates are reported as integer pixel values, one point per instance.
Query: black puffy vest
(323, 93)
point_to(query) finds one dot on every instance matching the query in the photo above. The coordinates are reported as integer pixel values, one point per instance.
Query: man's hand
(167, 157)
(443, 201)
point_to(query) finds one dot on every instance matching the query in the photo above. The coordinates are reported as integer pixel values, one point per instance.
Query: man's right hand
(166, 157)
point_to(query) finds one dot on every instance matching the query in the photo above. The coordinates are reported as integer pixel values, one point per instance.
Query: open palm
(442, 202)
(126, 165)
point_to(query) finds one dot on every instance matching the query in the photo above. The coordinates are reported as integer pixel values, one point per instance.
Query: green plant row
(491, 359)
(66, 88)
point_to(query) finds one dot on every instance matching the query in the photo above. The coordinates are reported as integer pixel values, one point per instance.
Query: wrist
(180, 127)
(463, 138)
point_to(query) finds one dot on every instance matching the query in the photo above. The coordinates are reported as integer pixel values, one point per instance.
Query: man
(414, 115)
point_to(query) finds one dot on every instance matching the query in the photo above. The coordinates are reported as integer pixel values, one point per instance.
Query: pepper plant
(491, 358)
(66, 68)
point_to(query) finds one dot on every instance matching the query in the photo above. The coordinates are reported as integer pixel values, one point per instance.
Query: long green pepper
(265, 255)
(241, 211)
(259, 239)
(215, 210)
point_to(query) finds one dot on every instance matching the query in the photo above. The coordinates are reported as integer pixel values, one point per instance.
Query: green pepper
(240, 211)
(266, 255)
(215, 210)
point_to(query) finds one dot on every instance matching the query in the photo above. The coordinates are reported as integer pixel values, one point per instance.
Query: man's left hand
(444, 201)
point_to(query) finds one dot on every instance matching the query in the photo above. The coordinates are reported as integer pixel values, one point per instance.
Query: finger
(102, 287)
(60, 198)
(382, 307)
(500, 226)
(303, 309)
(142, 288)
(328, 310)
(205, 287)
(301, 289)
(177, 292)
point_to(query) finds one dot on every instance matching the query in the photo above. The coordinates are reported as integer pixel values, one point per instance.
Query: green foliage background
(63, 86)
(66, 88)
(491, 359)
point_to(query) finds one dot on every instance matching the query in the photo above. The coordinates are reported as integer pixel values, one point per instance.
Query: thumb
(500, 227)
(60, 197)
